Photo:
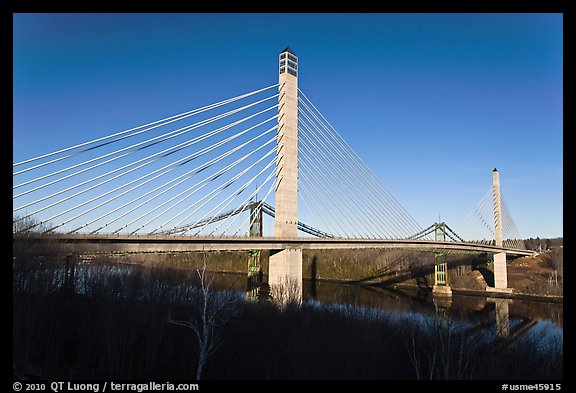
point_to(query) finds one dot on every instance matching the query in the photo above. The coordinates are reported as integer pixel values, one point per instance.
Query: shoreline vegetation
(535, 278)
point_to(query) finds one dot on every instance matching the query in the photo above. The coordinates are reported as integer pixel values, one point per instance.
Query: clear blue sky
(431, 102)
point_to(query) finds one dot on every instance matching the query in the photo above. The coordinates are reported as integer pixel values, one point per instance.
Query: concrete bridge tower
(500, 274)
(286, 265)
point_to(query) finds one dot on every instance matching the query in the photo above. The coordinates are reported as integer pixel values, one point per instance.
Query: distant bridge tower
(286, 266)
(254, 256)
(441, 284)
(500, 274)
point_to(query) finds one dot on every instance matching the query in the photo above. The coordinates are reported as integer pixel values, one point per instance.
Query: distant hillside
(544, 243)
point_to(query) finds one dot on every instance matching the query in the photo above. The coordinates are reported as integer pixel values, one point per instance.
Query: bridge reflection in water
(495, 319)
(498, 319)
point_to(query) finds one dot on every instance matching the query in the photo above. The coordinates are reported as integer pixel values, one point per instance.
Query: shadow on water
(477, 312)
(96, 319)
(313, 276)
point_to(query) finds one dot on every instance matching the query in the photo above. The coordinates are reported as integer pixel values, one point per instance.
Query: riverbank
(531, 278)
(116, 324)
(487, 292)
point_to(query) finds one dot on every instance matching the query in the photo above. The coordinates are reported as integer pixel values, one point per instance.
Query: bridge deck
(165, 243)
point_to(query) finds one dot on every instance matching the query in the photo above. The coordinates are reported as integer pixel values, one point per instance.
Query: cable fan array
(478, 225)
(193, 173)
(337, 190)
(201, 172)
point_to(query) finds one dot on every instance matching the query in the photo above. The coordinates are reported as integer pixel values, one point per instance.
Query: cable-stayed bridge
(202, 179)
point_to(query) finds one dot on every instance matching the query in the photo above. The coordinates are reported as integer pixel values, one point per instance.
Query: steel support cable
(486, 210)
(107, 193)
(323, 221)
(220, 217)
(337, 183)
(323, 196)
(398, 208)
(346, 168)
(166, 136)
(486, 224)
(361, 163)
(327, 223)
(184, 159)
(333, 189)
(194, 188)
(230, 197)
(313, 231)
(480, 212)
(183, 177)
(467, 226)
(507, 232)
(253, 194)
(513, 229)
(354, 189)
(191, 190)
(471, 221)
(507, 229)
(346, 178)
(157, 139)
(235, 195)
(422, 232)
(391, 205)
(426, 231)
(217, 218)
(260, 204)
(214, 193)
(330, 189)
(506, 222)
(102, 203)
(171, 118)
(193, 172)
(451, 237)
(147, 160)
(512, 232)
(352, 154)
(340, 180)
(395, 222)
(310, 211)
(269, 210)
(454, 233)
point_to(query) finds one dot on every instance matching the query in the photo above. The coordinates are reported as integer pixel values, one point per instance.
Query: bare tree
(214, 311)
(26, 225)
(438, 351)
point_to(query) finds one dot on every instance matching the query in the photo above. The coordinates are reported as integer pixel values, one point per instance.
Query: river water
(493, 317)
